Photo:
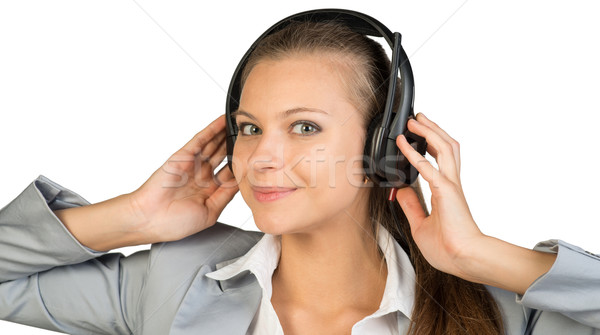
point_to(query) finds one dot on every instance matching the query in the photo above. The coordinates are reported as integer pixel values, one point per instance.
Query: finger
(202, 138)
(205, 176)
(427, 171)
(203, 161)
(205, 165)
(225, 177)
(445, 155)
(212, 146)
(219, 154)
(455, 145)
(409, 202)
(219, 199)
(434, 126)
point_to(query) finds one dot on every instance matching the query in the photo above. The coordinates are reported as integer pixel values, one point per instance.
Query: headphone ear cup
(404, 172)
(420, 145)
(230, 141)
(375, 122)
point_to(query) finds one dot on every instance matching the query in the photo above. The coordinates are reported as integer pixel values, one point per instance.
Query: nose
(268, 154)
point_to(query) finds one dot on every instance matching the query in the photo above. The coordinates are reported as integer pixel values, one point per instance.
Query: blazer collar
(222, 301)
(218, 307)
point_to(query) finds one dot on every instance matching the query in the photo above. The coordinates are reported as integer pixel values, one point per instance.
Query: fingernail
(424, 116)
(392, 195)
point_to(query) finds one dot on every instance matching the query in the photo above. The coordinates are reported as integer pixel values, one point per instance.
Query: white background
(97, 95)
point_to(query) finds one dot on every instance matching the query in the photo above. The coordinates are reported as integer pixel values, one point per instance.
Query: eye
(248, 129)
(305, 128)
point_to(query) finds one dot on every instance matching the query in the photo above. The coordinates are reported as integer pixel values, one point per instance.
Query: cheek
(349, 172)
(339, 169)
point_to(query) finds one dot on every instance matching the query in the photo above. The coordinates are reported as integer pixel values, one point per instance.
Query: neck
(333, 268)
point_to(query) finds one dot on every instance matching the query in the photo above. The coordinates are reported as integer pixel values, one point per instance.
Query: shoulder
(175, 265)
(513, 314)
(175, 268)
(515, 317)
(213, 245)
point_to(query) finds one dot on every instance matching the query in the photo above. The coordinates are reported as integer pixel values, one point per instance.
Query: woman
(326, 263)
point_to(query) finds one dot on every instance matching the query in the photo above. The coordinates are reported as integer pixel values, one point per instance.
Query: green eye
(249, 129)
(305, 128)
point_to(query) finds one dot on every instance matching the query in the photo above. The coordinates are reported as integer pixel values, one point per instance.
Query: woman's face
(298, 154)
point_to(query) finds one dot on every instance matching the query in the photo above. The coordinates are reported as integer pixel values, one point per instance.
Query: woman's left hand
(448, 238)
(443, 237)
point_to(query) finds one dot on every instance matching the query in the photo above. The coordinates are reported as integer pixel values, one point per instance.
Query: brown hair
(444, 304)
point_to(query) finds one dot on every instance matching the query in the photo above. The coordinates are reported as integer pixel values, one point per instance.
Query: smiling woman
(330, 257)
(294, 67)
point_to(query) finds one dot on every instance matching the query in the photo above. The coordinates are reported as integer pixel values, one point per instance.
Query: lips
(268, 194)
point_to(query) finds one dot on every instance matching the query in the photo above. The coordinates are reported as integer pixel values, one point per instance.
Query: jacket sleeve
(571, 287)
(49, 280)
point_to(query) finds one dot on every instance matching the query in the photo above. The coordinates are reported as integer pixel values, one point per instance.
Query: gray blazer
(49, 280)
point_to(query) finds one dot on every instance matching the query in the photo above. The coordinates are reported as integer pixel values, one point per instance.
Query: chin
(287, 224)
(277, 223)
(273, 225)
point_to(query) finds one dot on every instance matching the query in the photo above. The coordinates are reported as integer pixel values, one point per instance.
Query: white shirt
(393, 314)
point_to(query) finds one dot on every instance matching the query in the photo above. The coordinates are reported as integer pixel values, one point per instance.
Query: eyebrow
(282, 115)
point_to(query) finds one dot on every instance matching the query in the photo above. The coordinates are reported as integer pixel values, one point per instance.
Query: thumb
(409, 202)
(223, 194)
(218, 200)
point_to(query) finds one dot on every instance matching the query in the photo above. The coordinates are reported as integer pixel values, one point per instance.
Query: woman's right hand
(181, 198)
(184, 196)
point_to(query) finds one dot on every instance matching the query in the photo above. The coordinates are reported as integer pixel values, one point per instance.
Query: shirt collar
(262, 260)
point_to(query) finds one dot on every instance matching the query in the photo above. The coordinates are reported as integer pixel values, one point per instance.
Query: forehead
(316, 82)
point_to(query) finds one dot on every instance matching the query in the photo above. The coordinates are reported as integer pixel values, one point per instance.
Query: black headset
(385, 165)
